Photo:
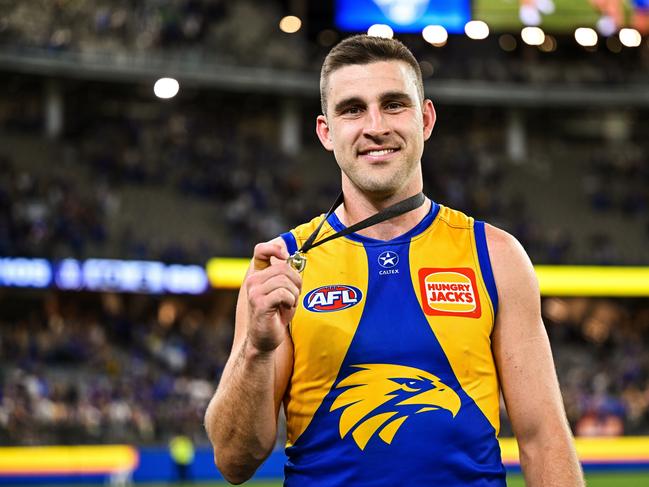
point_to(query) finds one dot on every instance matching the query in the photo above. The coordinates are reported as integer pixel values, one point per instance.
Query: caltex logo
(388, 259)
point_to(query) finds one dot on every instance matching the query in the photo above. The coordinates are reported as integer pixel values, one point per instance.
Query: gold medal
(297, 261)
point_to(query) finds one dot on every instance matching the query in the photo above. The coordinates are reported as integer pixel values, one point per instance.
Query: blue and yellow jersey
(394, 381)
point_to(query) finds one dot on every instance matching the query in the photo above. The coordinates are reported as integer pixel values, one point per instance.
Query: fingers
(278, 276)
(280, 298)
(263, 253)
(280, 290)
(277, 285)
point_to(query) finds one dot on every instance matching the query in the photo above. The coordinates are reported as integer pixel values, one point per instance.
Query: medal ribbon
(392, 211)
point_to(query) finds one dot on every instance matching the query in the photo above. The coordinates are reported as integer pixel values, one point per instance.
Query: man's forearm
(241, 419)
(552, 463)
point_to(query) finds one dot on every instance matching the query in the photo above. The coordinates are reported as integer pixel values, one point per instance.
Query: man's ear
(324, 134)
(429, 118)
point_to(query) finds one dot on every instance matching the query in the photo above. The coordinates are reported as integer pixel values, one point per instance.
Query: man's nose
(376, 124)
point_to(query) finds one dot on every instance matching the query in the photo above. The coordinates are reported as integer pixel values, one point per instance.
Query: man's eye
(353, 110)
(393, 106)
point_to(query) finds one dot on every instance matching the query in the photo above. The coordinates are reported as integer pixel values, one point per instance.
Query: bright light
(533, 36)
(435, 34)
(606, 25)
(380, 30)
(290, 24)
(585, 36)
(166, 88)
(529, 15)
(476, 29)
(547, 7)
(630, 37)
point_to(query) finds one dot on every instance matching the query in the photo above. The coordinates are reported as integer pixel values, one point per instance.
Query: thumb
(264, 251)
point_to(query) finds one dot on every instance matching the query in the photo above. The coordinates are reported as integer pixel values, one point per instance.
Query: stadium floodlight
(630, 37)
(166, 88)
(380, 30)
(476, 29)
(585, 36)
(529, 15)
(606, 25)
(533, 36)
(546, 7)
(290, 24)
(435, 35)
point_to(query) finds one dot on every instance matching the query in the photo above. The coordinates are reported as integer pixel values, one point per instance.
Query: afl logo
(388, 259)
(332, 298)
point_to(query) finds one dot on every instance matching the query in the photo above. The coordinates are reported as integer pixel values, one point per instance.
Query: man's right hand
(273, 291)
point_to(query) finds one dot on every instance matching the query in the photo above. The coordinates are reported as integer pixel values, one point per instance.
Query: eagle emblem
(381, 397)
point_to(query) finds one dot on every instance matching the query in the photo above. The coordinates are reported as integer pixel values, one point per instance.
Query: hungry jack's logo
(449, 292)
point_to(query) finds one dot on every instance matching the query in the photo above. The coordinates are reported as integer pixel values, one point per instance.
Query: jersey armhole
(291, 243)
(485, 263)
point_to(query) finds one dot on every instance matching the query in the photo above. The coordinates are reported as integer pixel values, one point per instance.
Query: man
(389, 350)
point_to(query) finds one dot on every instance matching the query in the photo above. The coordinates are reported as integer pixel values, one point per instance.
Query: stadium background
(116, 318)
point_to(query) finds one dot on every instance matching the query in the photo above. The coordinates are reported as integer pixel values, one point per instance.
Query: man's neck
(357, 208)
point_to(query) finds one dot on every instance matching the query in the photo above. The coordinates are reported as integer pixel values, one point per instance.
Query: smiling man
(390, 349)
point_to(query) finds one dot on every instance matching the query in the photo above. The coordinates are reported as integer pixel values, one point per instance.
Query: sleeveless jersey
(394, 381)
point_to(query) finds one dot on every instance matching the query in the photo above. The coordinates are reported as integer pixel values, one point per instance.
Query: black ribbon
(298, 260)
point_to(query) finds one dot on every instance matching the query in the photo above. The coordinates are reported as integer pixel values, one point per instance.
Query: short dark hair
(364, 49)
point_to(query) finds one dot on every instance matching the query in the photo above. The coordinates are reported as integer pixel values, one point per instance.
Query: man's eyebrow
(396, 96)
(347, 102)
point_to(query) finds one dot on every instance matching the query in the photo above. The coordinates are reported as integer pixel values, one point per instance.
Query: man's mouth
(378, 152)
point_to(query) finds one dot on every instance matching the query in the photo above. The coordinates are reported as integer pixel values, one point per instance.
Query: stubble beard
(379, 186)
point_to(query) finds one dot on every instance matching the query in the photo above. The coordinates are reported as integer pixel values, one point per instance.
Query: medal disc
(297, 261)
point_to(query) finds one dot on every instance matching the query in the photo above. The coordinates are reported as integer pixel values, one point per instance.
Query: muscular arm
(241, 419)
(527, 374)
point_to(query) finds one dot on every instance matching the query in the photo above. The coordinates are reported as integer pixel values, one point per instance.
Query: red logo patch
(449, 292)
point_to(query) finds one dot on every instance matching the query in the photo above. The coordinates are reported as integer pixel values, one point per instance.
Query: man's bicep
(520, 343)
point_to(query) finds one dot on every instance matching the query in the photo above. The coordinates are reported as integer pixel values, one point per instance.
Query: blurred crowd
(44, 215)
(617, 181)
(225, 154)
(111, 369)
(599, 348)
(213, 30)
(246, 33)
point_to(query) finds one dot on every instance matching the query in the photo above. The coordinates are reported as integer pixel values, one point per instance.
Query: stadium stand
(210, 177)
(128, 176)
(110, 368)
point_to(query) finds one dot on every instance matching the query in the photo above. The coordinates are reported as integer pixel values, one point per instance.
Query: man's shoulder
(501, 242)
(303, 230)
(454, 218)
(511, 265)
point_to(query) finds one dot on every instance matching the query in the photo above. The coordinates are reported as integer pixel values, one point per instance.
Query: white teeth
(379, 152)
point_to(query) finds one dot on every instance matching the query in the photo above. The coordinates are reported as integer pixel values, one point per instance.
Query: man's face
(376, 126)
